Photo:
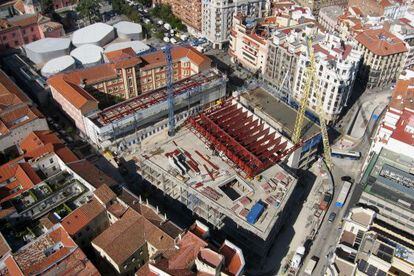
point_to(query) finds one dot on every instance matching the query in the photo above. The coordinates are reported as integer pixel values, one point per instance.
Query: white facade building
(217, 17)
(336, 64)
(336, 68)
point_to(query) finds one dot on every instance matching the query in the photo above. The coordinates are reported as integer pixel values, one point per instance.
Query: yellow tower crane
(312, 83)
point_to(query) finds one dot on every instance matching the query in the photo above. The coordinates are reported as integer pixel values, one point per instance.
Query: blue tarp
(255, 212)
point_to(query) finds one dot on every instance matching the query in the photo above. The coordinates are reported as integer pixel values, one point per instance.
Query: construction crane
(170, 89)
(312, 83)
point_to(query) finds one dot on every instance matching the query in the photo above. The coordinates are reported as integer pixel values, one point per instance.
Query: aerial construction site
(224, 167)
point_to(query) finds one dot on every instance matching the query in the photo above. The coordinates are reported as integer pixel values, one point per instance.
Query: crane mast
(312, 83)
(170, 89)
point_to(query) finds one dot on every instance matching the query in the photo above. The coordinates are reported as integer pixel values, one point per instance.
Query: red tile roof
(127, 235)
(91, 174)
(82, 216)
(404, 130)
(41, 143)
(19, 174)
(403, 94)
(123, 58)
(104, 194)
(32, 258)
(381, 42)
(72, 92)
(158, 58)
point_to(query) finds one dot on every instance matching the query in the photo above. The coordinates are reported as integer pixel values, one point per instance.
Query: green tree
(146, 3)
(89, 9)
(47, 6)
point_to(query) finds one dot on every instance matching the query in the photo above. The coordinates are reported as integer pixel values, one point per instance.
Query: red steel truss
(246, 141)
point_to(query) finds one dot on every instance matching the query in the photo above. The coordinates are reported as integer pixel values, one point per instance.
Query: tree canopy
(89, 9)
(164, 12)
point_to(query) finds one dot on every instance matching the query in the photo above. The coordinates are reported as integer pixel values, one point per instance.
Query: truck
(343, 194)
(323, 205)
(310, 267)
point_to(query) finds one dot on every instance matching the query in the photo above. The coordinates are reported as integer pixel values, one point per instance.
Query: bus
(343, 194)
(346, 154)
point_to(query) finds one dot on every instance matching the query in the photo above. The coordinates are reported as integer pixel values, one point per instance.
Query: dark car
(332, 217)
(346, 178)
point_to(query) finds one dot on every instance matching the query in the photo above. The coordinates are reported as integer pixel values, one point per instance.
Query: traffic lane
(328, 235)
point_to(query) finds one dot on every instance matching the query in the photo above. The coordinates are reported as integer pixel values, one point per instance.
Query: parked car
(332, 217)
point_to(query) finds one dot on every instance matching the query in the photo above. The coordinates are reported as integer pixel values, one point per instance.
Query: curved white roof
(126, 27)
(49, 44)
(137, 46)
(98, 34)
(58, 65)
(88, 54)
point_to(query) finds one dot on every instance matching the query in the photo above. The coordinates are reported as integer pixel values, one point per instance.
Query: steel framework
(243, 139)
(312, 83)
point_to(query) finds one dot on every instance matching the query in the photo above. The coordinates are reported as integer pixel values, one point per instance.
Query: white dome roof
(58, 65)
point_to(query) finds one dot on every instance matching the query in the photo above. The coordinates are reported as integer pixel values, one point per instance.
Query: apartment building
(384, 56)
(396, 126)
(44, 176)
(316, 5)
(328, 17)
(189, 11)
(52, 253)
(367, 246)
(390, 9)
(249, 37)
(34, 6)
(217, 17)
(228, 259)
(18, 116)
(23, 29)
(404, 30)
(141, 82)
(337, 64)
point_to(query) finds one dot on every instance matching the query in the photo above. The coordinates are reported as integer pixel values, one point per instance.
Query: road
(324, 244)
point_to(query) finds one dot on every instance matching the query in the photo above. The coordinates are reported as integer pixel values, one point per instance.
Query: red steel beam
(228, 124)
(274, 143)
(236, 128)
(253, 138)
(221, 112)
(251, 129)
(236, 146)
(227, 115)
(249, 170)
(277, 148)
(260, 142)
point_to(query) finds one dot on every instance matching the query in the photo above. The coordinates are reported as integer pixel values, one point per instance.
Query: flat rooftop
(282, 114)
(214, 179)
(390, 176)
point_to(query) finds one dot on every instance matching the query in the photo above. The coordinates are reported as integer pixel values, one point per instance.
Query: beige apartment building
(384, 56)
(316, 5)
(189, 11)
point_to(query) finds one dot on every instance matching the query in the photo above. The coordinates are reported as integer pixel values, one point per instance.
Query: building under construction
(224, 167)
(133, 120)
